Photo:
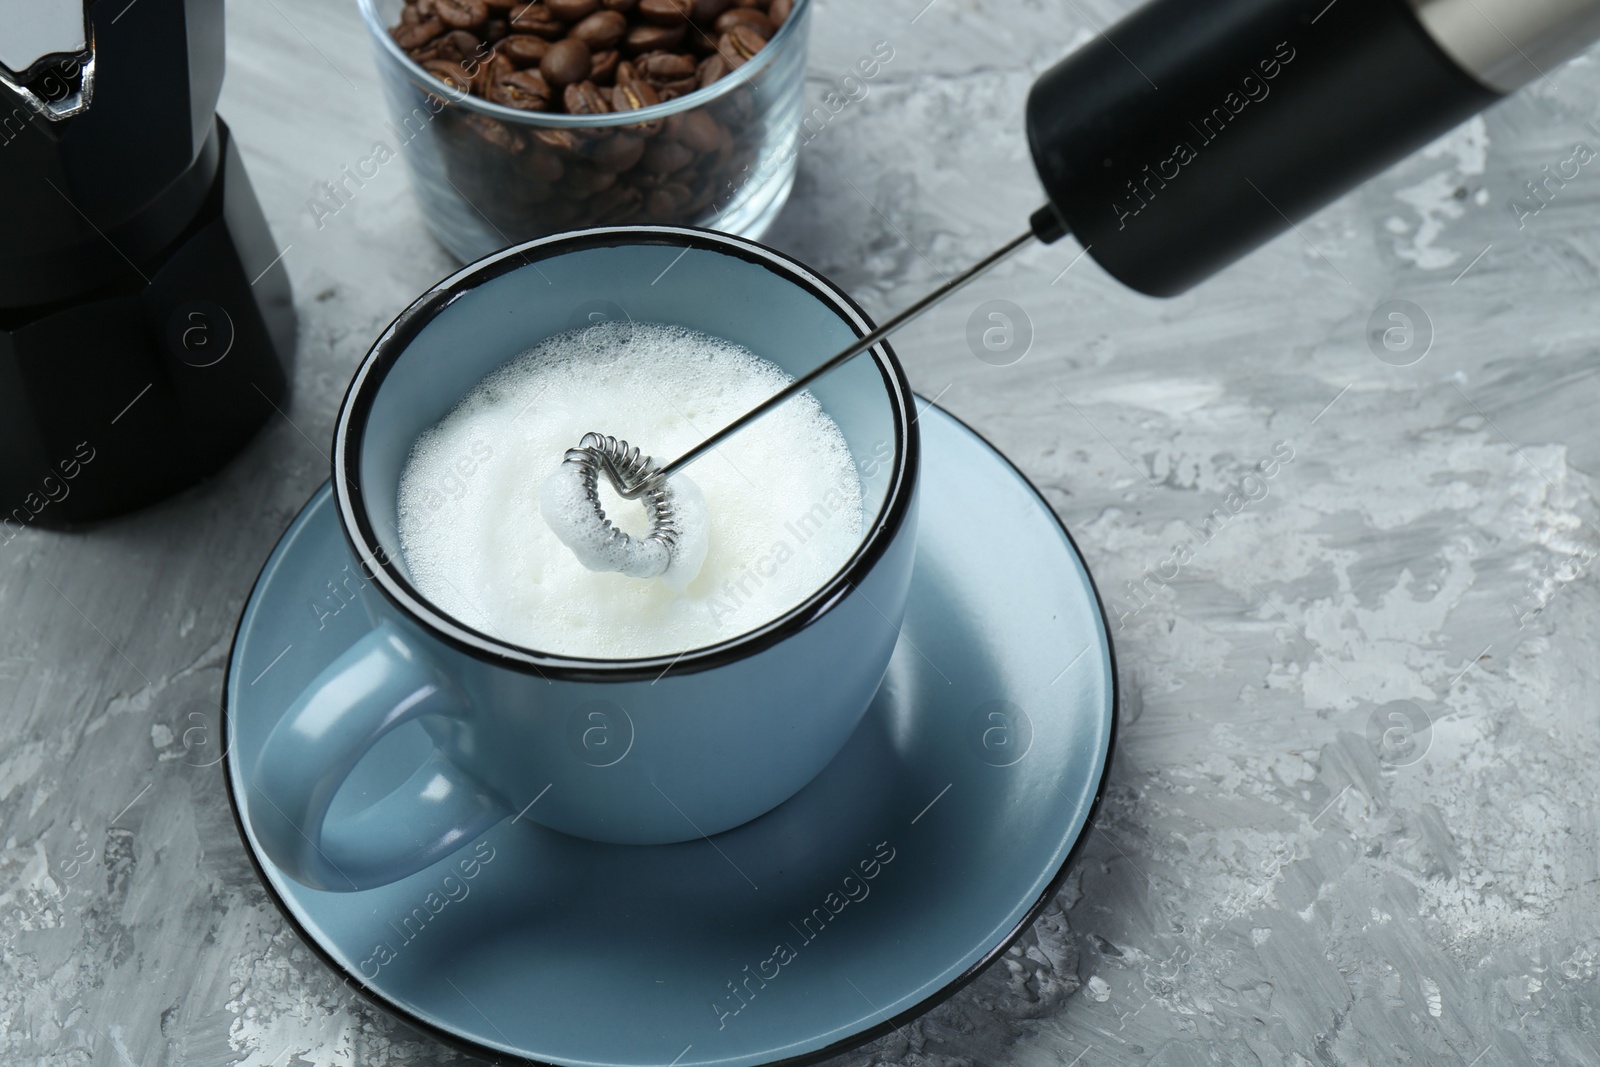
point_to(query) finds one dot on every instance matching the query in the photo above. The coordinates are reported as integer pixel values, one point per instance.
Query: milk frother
(1194, 131)
(146, 325)
(1191, 133)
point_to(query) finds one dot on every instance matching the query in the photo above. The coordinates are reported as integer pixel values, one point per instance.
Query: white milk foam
(782, 498)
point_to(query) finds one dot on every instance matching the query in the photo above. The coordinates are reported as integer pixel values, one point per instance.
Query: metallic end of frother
(1505, 44)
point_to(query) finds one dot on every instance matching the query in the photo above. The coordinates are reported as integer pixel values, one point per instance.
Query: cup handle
(381, 682)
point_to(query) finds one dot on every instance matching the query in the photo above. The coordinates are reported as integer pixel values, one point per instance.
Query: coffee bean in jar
(600, 58)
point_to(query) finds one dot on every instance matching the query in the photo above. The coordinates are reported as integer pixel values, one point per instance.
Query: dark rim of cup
(727, 84)
(354, 410)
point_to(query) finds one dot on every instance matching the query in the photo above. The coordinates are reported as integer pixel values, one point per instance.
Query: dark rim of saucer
(359, 398)
(377, 999)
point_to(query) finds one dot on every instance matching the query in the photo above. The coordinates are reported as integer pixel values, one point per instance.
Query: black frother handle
(1194, 131)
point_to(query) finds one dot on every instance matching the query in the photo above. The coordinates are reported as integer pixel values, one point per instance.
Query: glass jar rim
(557, 120)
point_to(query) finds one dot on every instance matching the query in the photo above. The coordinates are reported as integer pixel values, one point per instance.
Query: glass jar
(490, 175)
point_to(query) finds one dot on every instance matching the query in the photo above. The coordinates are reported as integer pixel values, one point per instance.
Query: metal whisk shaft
(638, 486)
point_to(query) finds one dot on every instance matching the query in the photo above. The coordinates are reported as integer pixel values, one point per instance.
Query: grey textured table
(1352, 817)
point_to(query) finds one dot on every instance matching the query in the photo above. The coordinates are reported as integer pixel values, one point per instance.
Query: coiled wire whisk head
(634, 475)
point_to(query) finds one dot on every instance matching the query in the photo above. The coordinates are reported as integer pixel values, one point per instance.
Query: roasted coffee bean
(672, 73)
(696, 131)
(453, 47)
(711, 68)
(739, 44)
(409, 16)
(603, 67)
(425, 8)
(583, 180)
(495, 30)
(745, 16)
(540, 165)
(500, 8)
(633, 95)
(489, 72)
(416, 34)
(617, 153)
(734, 109)
(674, 89)
(536, 18)
(648, 38)
(601, 30)
(707, 10)
(660, 67)
(563, 142)
(665, 12)
(667, 200)
(471, 46)
(572, 10)
(599, 180)
(585, 98)
(666, 157)
(483, 72)
(524, 49)
(719, 162)
(428, 55)
(567, 61)
(451, 74)
(494, 133)
(525, 90)
(461, 14)
(779, 11)
(622, 7)
(616, 204)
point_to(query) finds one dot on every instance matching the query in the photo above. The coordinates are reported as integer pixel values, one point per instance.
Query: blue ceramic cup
(636, 751)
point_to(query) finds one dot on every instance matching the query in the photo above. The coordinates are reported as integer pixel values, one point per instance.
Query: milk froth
(783, 496)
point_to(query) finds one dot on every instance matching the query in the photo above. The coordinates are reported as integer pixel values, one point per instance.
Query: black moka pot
(146, 325)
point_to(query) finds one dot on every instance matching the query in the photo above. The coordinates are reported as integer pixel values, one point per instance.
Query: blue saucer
(913, 861)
